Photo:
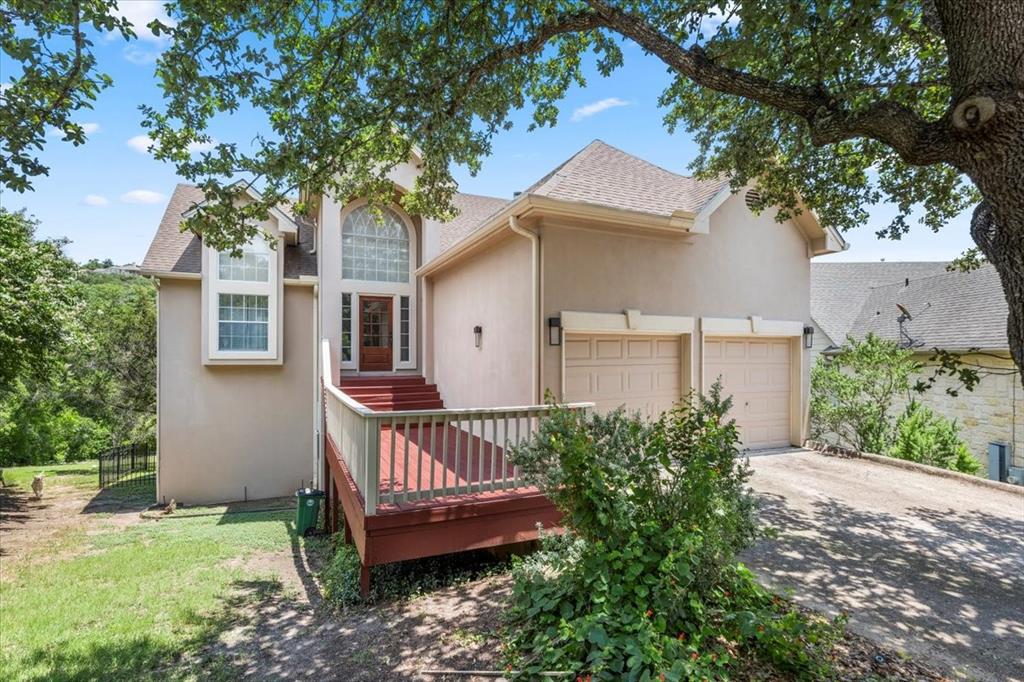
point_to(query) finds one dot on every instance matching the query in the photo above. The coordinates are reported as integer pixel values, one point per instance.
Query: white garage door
(640, 372)
(755, 372)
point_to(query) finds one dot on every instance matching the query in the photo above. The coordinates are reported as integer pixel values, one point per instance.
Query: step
(382, 381)
(355, 391)
(403, 398)
(411, 405)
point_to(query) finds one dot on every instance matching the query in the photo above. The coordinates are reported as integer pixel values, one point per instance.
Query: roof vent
(515, 194)
(753, 200)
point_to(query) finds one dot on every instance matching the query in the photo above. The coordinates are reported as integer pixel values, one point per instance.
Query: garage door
(640, 372)
(755, 372)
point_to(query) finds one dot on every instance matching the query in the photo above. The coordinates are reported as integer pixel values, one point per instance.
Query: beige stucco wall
(227, 432)
(747, 265)
(992, 412)
(491, 290)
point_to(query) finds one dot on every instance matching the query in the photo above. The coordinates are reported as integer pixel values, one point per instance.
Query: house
(954, 311)
(393, 359)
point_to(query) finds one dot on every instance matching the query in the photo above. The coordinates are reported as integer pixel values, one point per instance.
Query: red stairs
(396, 392)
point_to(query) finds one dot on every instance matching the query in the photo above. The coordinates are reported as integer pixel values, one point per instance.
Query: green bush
(645, 582)
(925, 437)
(852, 393)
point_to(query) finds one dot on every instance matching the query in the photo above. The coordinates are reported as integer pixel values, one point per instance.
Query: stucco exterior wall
(491, 290)
(992, 412)
(747, 265)
(230, 432)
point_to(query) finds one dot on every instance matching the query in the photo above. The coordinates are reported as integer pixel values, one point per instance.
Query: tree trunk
(1002, 242)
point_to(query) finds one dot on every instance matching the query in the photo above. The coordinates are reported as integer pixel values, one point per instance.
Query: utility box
(998, 461)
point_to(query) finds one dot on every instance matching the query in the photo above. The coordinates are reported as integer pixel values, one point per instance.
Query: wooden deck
(470, 516)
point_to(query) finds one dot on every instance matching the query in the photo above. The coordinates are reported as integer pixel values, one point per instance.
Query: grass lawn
(131, 601)
(83, 474)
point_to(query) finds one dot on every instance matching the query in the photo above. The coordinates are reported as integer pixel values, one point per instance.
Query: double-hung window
(243, 303)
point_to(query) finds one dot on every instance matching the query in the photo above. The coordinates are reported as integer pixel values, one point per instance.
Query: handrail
(466, 447)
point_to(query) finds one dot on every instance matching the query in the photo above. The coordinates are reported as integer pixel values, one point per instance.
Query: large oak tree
(844, 103)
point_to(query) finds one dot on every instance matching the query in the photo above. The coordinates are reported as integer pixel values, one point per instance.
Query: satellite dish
(905, 312)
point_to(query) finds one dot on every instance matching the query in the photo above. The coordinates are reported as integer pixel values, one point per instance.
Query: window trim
(214, 286)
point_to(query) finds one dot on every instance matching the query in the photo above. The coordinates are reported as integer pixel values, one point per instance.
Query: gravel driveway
(923, 564)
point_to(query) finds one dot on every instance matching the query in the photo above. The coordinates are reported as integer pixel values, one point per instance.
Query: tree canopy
(833, 105)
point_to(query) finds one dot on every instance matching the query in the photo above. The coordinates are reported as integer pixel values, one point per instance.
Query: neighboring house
(610, 281)
(126, 269)
(954, 311)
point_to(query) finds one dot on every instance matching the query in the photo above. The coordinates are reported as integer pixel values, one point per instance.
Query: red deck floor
(423, 463)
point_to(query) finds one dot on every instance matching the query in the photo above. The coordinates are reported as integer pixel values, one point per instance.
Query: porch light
(555, 331)
(808, 337)
(478, 333)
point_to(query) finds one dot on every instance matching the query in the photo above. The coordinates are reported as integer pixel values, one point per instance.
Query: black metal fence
(128, 465)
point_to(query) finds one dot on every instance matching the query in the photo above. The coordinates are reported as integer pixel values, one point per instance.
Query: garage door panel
(641, 373)
(756, 374)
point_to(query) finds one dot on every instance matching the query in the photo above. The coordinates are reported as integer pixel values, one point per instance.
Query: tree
(38, 300)
(852, 393)
(58, 77)
(833, 105)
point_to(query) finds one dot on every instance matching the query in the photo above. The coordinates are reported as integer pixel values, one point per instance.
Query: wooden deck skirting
(429, 527)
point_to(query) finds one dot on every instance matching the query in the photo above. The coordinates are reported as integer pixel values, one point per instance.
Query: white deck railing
(407, 455)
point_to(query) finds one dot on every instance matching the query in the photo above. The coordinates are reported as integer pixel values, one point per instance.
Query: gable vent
(753, 199)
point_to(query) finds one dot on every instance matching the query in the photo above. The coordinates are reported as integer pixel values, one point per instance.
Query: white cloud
(138, 55)
(142, 196)
(140, 143)
(140, 13)
(87, 128)
(597, 107)
(95, 200)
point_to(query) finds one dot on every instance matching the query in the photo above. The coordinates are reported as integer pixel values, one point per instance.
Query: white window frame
(272, 289)
(393, 290)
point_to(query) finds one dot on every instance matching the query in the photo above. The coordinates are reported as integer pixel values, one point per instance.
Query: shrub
(645, 582)
(852, 393)
(925, 437)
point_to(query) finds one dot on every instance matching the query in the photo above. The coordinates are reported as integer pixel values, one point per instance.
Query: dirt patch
(291, 638)
(31, 529)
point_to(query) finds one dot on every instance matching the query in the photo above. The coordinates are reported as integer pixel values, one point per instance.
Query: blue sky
(108, 195)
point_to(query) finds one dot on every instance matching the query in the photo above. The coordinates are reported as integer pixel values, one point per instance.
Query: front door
(375, 334)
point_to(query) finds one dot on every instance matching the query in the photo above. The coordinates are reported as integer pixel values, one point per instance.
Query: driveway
(923, 564)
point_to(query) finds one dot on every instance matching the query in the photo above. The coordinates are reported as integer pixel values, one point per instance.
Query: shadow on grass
(127, 496)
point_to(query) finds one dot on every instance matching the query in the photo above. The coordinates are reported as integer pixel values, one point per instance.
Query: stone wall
(993, 411)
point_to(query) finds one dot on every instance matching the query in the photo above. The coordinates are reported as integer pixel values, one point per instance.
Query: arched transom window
(374, 248)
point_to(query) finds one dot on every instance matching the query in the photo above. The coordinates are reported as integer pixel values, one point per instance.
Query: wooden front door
(375, 319)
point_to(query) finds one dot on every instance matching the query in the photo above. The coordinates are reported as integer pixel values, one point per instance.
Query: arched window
(374, 249)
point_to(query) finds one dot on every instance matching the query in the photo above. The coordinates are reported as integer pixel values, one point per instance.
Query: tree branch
(917, 141)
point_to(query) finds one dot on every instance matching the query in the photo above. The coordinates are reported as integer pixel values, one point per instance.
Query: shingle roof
(474, 210)
(603, 175)
(838, 290)
(174, 251)
(954, 310)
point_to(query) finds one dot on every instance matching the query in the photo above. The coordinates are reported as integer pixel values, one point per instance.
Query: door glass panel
(376, 325)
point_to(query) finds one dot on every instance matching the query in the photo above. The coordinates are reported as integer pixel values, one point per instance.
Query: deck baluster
(405, 468)
(392, 477)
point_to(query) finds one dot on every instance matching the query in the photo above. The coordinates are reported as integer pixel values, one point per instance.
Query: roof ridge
(481, 196)
(556, 171)
(941, 274)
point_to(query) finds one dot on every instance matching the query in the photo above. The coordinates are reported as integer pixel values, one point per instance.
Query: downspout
(513, 224)
(318, 395)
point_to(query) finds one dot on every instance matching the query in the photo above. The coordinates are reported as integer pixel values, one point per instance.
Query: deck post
(364, 581)
(371, 487)
(335, 506)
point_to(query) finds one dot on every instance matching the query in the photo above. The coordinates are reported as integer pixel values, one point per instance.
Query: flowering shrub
(645, 584)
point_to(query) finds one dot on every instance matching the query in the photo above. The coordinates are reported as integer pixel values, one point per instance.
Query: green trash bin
(307, 509)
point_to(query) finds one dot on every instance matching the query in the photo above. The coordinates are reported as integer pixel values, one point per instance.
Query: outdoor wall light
(478, 334)
(555, 331)
(808, 337)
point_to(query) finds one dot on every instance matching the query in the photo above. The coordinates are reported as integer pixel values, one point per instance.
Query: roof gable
(175, 252)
